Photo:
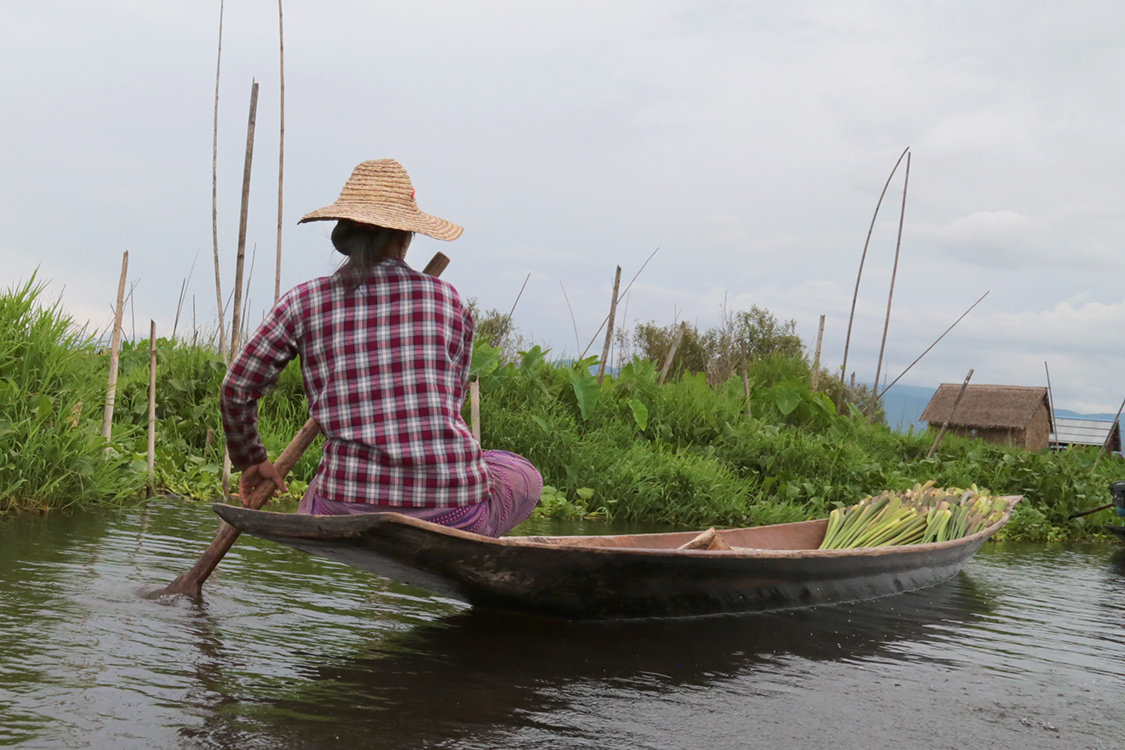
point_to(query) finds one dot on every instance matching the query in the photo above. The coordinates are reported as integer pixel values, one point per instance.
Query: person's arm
(253, 372)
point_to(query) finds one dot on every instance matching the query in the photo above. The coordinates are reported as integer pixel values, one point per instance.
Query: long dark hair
(365, 245)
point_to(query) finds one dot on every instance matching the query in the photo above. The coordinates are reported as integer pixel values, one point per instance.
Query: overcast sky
(748, 141)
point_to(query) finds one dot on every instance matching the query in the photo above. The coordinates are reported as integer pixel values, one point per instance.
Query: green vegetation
(734, 437)
(51, 449)
(920, 515)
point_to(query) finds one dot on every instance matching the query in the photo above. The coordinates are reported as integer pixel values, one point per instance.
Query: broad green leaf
(533, 359)
(486, 359)
(586, 391)
(787, 401)
(640, 413)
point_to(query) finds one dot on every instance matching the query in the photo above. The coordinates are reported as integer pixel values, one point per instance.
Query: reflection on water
(292, 651)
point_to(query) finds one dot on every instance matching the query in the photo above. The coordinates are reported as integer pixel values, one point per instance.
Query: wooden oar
(191, 582)
(1081, 513)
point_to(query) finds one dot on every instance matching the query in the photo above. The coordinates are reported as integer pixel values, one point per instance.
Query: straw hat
(379, 192)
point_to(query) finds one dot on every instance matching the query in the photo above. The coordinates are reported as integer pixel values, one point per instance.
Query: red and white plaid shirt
(385, 366)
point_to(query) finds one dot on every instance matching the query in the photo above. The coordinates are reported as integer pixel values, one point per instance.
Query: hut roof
(989, 406)
(1076, 431)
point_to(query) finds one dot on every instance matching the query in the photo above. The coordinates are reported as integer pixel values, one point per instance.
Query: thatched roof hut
(1010, 414)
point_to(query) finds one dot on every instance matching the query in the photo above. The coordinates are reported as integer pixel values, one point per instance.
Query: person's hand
(254, 475)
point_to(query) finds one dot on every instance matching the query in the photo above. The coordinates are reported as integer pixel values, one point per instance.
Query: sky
(745, 143)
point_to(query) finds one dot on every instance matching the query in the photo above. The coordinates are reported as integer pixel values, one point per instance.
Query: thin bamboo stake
(280, 151)
(949, 418)
(609, 328)
(240, 260)
(474, 407)
(890, 294)
(573, 322)
(115, 353)
(183, 295)
(1051, 403)
(513, 310)
(151, 408)
(746, 385)
(133, 310)
(855, 295)
(215, 194)
(672, 351)
(627, 288)
(931, 346)
(816, 359)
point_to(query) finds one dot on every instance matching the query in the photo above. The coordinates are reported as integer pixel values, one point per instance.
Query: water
(1025, 649)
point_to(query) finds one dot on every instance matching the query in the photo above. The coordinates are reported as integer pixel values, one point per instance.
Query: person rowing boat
(385, 352)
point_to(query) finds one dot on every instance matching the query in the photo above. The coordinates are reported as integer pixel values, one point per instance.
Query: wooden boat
(1118, 531)
(615, 577)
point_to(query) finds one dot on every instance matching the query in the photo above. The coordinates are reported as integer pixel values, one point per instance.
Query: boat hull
(615, 577)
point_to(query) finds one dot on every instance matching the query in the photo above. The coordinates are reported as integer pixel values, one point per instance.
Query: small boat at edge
(618, 576)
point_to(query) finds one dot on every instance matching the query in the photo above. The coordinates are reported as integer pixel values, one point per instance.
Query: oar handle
(1081, 513)
(191, 582)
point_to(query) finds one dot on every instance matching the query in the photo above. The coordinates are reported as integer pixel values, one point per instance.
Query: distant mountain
(1076, 415)
(904, 404)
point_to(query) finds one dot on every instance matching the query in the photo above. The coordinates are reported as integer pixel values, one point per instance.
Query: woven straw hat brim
(379, 192)
(383, 216)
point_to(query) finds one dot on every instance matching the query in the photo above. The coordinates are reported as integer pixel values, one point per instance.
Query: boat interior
(803, 535)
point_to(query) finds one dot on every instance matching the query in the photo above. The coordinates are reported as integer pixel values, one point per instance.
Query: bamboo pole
(115, 353)
(513, 310)
(627, 288)
(1051, 403)
(240, 259)
(215, 194)
(609, 327)
(151, 408)
(890, 294)
(949, 418)
(816, 359)
(855, 295)
(746, 385)
(931, 346)
(672, 351)
(280, 152)
(474, 407)
(573, 322)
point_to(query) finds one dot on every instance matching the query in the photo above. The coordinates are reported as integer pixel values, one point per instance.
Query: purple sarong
(514, 488)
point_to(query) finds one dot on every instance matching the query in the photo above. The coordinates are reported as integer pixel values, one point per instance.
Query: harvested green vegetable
(919, 515)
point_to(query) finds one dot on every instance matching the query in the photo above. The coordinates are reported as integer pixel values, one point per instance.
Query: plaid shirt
(385, 367)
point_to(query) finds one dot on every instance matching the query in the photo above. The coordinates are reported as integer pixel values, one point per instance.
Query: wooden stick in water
(191, 582)
(151, 408)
